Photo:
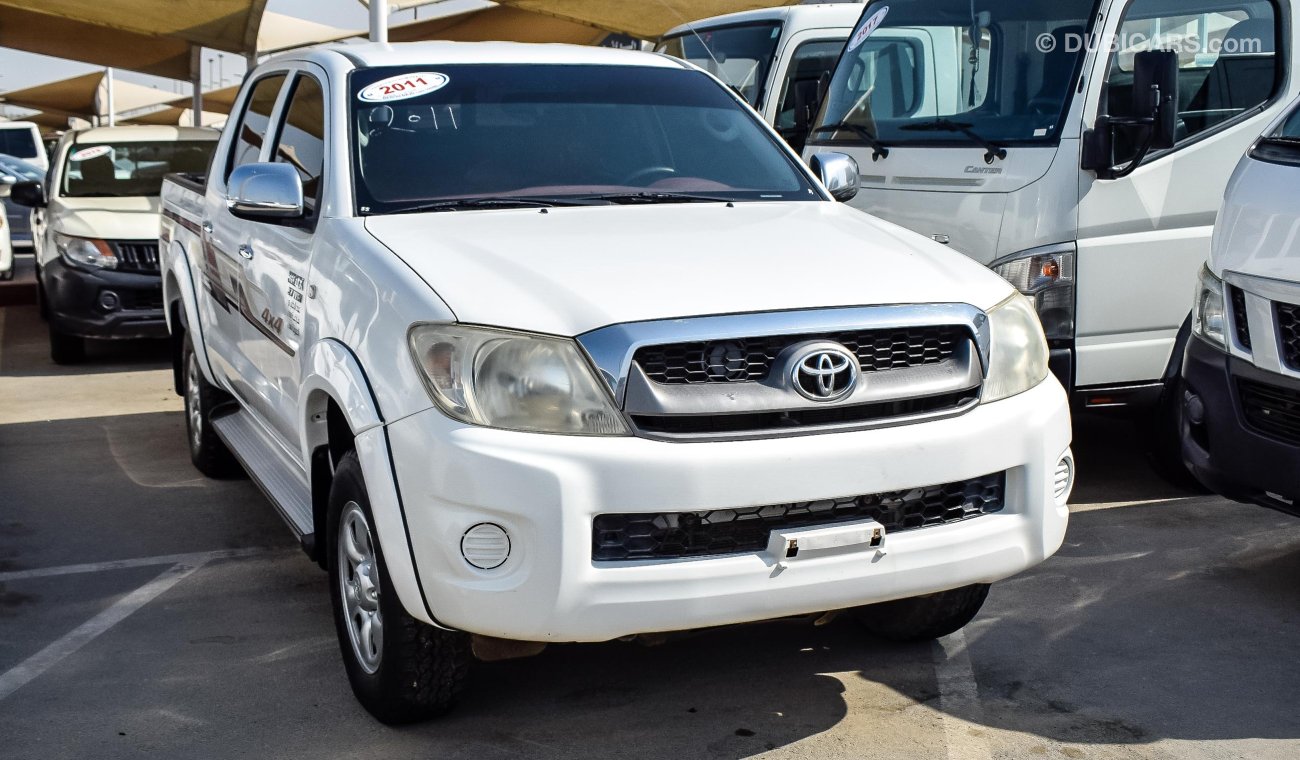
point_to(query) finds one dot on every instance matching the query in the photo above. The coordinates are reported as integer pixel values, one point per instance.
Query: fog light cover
(485, 546)
(108, 301)
(1063, 482)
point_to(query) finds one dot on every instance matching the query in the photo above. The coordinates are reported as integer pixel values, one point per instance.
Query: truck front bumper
(546, 491)
(104, 303)
(1224, 450)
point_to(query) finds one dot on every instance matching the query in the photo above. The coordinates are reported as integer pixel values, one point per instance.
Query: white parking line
(196, 558)
(959, 696)
(34, 666)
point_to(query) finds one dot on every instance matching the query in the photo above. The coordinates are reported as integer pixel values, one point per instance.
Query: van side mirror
(31, 194)
(1154, 119)
(265, 192)
(838, 172)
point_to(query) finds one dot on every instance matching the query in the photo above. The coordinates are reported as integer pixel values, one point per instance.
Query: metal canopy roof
(500, 23)
(647, 19)
(229, 25)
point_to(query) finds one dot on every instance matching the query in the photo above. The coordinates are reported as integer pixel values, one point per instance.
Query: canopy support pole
(196, 81)
(112, 107)
(379, 21)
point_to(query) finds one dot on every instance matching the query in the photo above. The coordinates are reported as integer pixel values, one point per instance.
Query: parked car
(1036, 147)
(539, 344)
(95, 231)
(13, 171)
(22, 140)
(1241, 374)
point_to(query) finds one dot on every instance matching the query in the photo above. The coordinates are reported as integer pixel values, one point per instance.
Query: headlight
(1207, 310)
(1017, 350)
(86, 252)
(514, 381)
(1046, 276)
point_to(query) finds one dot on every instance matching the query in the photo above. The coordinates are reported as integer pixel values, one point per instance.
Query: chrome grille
(750, 359)
(1288, 333)
(137, 256)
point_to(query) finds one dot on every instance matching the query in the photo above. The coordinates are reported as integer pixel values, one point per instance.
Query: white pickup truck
(539, 344)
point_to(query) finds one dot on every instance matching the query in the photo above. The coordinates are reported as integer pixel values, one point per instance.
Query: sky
(19, 70)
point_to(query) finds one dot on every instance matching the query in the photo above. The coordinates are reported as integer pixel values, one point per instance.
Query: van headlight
(1046, 276)
(1017, 349)
(1208, 317)
(514, 381)
(85, 252)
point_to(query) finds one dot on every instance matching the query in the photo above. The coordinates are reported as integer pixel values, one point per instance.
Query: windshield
(740, 55)
(18, 141)
(992, 72)
(133, 169)
(22, 170)
(558, 132)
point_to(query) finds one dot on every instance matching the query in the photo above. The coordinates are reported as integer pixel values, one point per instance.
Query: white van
(22, 139)
(1241, 375)
(777, 59)
(1056, 164)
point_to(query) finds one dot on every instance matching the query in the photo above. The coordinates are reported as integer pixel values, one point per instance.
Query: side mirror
(1154, 119)
(30, 194)
(265, 192)
(1155, 92)
(838, 172)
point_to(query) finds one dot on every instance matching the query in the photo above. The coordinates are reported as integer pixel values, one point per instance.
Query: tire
(411, 671)
(1162, 437)
(42, 305)
(207, 451)
(924, 618)
(66, 349)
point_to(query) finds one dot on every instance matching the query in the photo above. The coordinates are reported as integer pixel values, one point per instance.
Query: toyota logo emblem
(826, 374)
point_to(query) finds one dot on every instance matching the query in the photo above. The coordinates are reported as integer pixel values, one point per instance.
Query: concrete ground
(146, 611)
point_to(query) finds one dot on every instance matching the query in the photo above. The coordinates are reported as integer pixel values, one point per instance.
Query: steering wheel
(642, 177)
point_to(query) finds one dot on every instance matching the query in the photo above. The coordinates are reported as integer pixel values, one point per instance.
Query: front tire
(207, 451)
(924, 618)
(401, 669)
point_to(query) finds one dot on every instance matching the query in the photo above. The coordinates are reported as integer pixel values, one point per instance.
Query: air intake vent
(1064, 479)
(1239, 317)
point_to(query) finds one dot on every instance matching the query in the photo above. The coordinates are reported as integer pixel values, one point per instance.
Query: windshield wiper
(878, 149)
(994, 151)
(655, 197)
(459, 204)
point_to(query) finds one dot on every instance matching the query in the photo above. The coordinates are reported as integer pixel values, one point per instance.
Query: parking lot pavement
(145, 611)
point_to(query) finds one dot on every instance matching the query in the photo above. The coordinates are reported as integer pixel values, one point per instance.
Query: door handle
(207, 228)
(246, 252)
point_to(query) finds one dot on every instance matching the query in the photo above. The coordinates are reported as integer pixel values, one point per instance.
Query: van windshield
(498, 134)
(133, 169)
(957, 72)
(739, 55)
(19, 142)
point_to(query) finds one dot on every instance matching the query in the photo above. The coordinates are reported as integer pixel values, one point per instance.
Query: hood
(571, 270)
(106, 218)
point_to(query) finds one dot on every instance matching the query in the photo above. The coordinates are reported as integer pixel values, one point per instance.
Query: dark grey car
(19, 217)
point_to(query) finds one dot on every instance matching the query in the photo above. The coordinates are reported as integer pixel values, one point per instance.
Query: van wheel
(42, 305)
(207, 450)
(401, 669)
(1162, 435)
(66, 349)
(924, 618)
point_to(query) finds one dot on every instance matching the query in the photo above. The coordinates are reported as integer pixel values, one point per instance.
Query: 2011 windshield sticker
(869, 28)
(403, 87)
(94, 151)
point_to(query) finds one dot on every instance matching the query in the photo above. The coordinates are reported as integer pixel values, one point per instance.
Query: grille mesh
(1288, 333)
(751, 359)
(137, 257)
(1239, 317)
(676, 535)
(1271, 410)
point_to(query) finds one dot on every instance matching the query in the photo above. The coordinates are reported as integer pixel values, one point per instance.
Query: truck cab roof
(802, 16)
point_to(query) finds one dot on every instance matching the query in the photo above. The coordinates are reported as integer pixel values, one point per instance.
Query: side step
(270, 469)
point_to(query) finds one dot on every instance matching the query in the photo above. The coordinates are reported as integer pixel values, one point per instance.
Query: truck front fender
(178, 285)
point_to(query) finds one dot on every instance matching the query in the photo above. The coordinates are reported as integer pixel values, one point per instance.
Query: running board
(270, 469)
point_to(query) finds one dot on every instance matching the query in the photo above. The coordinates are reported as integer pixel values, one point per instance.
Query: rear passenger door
(279, 256)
